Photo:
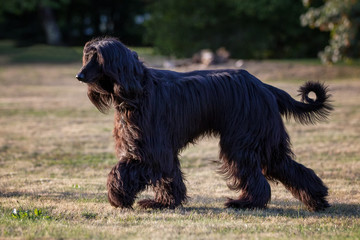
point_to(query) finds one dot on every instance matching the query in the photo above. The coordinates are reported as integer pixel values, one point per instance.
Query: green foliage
(20, 6)
(249, 29)
(341, 19)
(29, 20)
(29, 214)
(78, 20)
(89, 215)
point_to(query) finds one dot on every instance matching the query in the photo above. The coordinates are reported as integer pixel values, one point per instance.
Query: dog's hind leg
(243, 171)
(302, 182)
(170, 192)
(125, 181)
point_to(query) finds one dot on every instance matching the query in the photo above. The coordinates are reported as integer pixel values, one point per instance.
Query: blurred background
(262, 29)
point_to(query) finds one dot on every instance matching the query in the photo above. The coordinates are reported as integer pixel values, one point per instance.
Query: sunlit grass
(56, 150)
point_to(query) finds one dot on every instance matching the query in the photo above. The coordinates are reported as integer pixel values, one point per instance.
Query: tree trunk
(52, 31)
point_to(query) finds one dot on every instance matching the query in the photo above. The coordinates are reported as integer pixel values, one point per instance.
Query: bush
(249, 29)
(341, 19)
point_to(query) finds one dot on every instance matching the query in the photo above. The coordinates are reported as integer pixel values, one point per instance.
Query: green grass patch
(39, 53)
(74, 160)
(144, 51)
(36, 214)
(89, 215)
(50, 54)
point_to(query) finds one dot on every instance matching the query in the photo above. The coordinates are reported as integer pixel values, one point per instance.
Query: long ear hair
(122, 66)
(102, 102)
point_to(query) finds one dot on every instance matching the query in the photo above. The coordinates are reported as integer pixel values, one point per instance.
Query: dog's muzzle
(80, 77)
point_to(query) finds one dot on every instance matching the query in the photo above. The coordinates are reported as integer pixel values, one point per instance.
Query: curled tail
(308, 111)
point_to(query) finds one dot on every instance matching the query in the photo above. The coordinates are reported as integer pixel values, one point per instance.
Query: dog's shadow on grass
(68, 195)
(284, 209)
(292, 209)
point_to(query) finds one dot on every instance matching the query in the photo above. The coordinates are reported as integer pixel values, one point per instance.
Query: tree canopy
(247, 28)
(342, 19)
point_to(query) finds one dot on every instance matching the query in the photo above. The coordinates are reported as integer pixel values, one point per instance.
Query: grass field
(56, 150)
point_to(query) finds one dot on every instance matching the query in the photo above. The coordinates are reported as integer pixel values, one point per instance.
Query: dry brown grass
(56, 151)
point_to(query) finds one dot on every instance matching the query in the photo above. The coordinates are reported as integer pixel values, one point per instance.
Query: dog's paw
(317, 206)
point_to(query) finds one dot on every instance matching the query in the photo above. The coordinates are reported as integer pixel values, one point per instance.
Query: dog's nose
(80, 76)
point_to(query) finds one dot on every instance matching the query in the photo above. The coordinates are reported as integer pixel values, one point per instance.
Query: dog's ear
(130, 77)
(102, 102)
(123, 66)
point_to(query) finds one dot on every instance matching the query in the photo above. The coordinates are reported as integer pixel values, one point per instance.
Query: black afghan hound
(159, 112)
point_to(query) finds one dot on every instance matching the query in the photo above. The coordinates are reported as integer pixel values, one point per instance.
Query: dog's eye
(89, 56)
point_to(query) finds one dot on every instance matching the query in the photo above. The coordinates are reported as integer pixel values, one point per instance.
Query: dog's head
(112, 72)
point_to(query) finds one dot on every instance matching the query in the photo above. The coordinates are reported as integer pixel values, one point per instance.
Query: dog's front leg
(125, 181)
(170, 190)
